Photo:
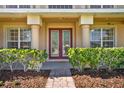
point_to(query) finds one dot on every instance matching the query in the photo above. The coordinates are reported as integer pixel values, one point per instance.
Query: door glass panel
(65, 41)
(54, 43)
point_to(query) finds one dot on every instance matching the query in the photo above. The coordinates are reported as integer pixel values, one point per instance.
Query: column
(85, 35)
(35, 36)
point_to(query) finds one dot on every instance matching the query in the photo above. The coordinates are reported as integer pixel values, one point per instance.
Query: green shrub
(16, 82)
(1, 83)
(80, 57)
(30, 57)
(86, 56)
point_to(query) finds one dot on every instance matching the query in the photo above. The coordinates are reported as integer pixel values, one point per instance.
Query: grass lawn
(21, 79)
(96, 79)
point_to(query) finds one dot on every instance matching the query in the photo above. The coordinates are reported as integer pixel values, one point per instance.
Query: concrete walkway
(55, 65)
(60, 78)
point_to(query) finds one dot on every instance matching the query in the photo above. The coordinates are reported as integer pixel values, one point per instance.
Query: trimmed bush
(29, 57)
(112, 57)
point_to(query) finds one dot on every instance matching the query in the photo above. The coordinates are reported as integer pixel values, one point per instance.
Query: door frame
(60, 39)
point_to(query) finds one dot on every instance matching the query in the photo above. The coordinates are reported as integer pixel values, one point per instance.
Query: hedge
(29, 57)
(112, 57)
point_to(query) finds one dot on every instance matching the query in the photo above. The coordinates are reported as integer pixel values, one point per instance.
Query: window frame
(102, 6)
(11, 6)
(95, 6)
(101, 36)
(24, 6)
(107, 6)
(60, 6)
(19, 39)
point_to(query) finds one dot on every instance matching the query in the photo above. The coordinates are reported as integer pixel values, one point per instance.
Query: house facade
(58, 27)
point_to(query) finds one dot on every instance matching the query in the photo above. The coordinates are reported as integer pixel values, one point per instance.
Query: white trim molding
(5, 29)
(108, 26)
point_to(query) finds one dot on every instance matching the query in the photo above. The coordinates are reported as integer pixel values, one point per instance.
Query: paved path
(60, 78)
(55, 65)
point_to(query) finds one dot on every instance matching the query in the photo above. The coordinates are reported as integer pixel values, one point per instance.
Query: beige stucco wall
(78, 35)
(120, 35)
(1, 36)
(3, 29)
(48, 23)
(42, 37)
(119, 31)
(62, 23)
(54, 23)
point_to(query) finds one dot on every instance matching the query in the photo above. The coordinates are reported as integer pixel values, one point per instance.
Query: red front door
(59, 41)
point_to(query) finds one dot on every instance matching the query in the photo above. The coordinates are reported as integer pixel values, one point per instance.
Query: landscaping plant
(28, 57)
(8, 56)
(80, 57)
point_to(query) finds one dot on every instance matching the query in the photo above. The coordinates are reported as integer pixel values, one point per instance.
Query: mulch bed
(98, 79)
(21, 79)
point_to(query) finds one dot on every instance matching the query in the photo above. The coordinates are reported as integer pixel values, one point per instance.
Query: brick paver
(60, 78)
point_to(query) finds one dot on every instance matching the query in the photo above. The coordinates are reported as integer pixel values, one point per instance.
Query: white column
(85, 35)
(35, 36)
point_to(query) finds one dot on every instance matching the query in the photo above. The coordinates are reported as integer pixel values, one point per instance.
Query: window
(95, 6)
(24, 6)
(108, 6)
(19, 38)
(101, 6)
(60, 6)
(11, 6)
(102, 37)
(1, 6)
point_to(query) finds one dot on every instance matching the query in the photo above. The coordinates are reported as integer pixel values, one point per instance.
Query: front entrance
(59, 41)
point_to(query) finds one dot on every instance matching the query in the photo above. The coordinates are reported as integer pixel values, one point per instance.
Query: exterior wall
(78, 35)
(42, 37)
(1, 36)
(69, 23)
(120, 35)
(4, 26)
(48, 23)
(119, 31)
(58, 24)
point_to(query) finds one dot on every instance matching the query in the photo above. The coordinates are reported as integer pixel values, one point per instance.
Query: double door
(59, 41)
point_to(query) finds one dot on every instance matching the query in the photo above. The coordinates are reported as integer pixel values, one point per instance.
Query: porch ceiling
(60, 17)
(104, 19)
(67, 15)
(13, 19)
